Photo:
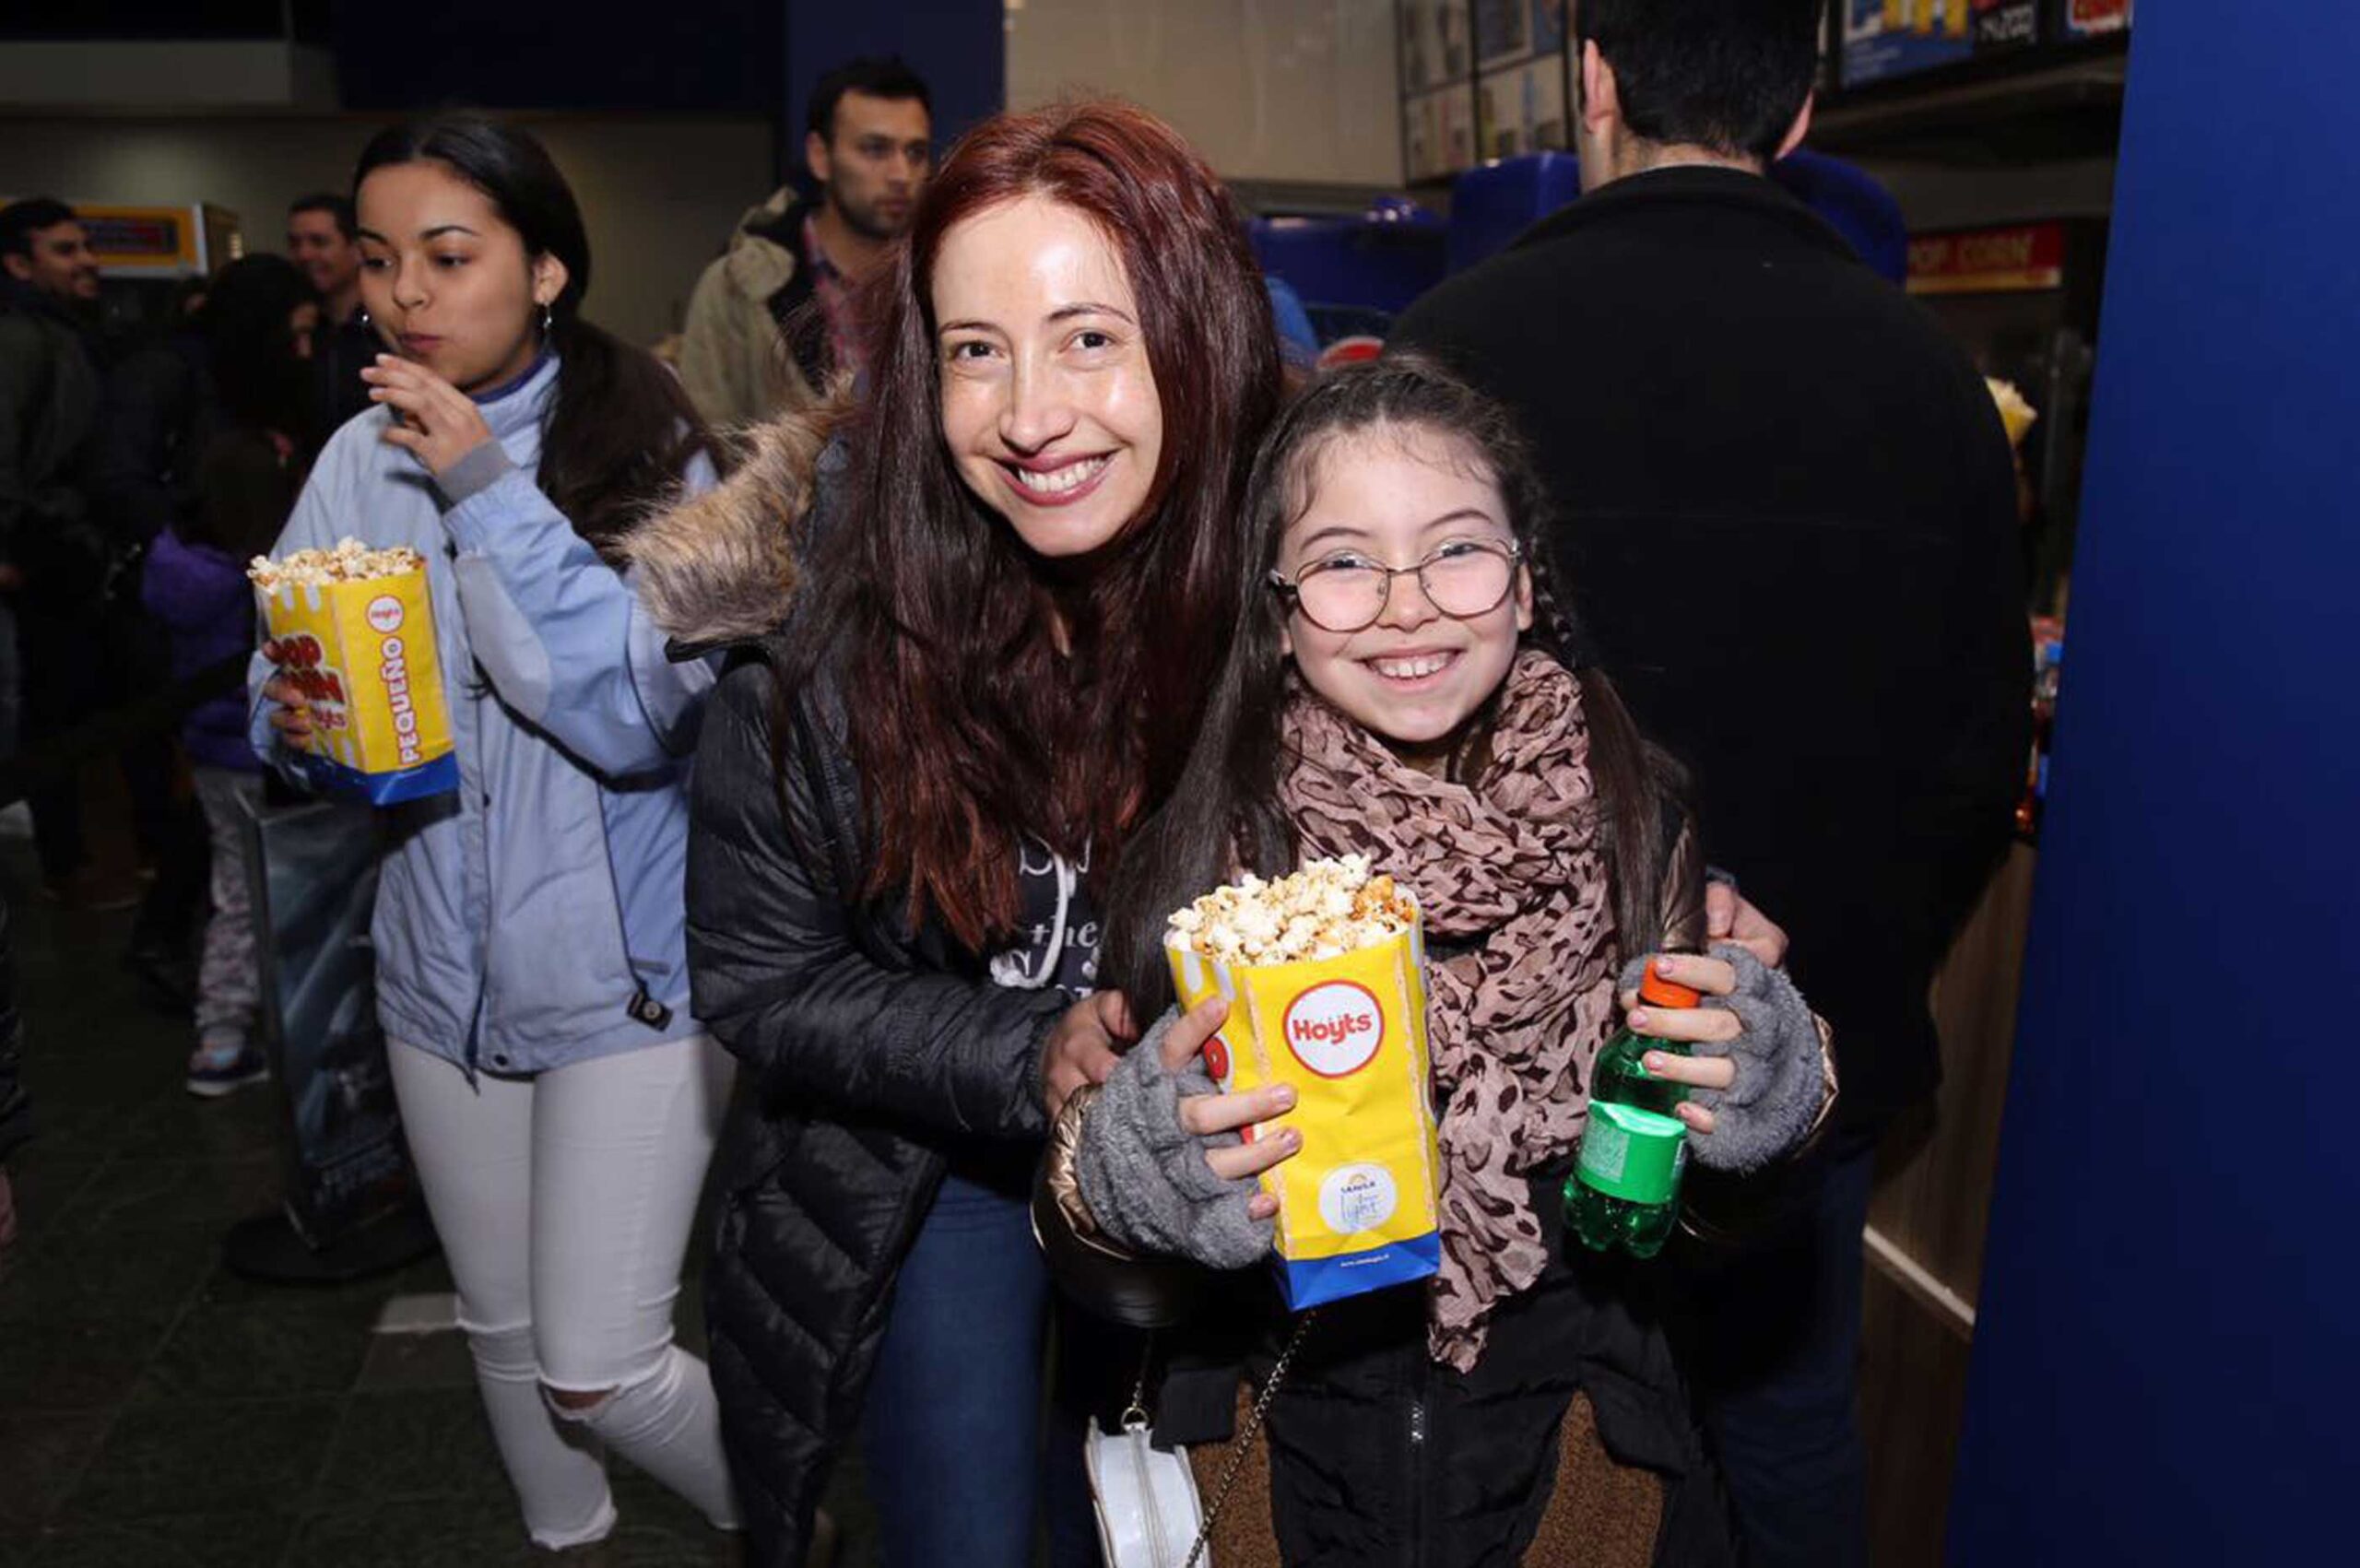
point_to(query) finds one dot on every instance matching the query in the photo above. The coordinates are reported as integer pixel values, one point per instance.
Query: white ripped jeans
(564, 1201)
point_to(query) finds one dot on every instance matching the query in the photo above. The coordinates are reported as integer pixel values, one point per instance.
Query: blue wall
(2165, 1364)
(686, 56)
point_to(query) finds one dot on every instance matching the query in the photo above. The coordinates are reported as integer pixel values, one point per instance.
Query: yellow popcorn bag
(1324, 972)
(356, 628)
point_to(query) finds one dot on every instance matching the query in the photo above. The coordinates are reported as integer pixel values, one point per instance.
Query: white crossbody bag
(1150, 1514)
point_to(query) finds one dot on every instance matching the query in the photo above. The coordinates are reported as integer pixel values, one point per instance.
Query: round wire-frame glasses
(1463, 579)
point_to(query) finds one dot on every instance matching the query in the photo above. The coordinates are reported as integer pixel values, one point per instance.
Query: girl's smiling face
(1389, 496)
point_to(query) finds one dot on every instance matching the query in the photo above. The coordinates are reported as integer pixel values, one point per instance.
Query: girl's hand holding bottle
(1693, 1026)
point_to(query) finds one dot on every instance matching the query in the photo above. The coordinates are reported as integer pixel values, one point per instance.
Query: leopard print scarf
(1512, 865)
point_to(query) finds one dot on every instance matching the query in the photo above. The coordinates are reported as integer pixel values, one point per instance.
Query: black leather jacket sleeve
(819, 994)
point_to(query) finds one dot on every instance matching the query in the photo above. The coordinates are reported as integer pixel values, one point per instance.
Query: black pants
(1776, 1370)
(79, 661)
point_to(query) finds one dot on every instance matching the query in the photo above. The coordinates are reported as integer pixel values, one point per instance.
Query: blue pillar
(959, 46)
(2165, 1368)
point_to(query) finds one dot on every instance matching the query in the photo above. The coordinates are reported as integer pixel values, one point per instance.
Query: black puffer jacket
(865, 1048)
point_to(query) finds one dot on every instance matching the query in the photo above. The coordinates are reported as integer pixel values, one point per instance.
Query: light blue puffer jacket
(534, 918)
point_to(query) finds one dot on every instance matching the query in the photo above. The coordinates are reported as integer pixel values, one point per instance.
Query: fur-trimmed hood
(720, 568)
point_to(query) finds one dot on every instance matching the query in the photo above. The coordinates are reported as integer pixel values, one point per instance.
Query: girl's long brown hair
(968, 725)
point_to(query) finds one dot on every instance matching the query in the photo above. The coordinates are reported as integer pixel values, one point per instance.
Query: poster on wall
(1434, 47)
(1503, 32)
(1522, 109)
(158, 241)
(2021, 258)
(1439, 134)
(2094, 19)
(1547, 26)
(1888, 38)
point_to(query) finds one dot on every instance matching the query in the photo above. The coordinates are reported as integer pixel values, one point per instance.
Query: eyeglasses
(1463, 579)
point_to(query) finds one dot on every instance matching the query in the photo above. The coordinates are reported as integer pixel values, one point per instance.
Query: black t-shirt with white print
(1057, 930)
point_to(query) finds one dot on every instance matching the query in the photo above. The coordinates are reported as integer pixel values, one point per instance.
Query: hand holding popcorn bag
(1324, 973)
(355, 628)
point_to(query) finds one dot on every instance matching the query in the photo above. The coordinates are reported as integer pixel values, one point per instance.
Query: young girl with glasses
(1407, 684)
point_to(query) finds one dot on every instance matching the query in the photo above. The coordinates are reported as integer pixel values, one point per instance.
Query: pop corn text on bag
(355, 631)
(1324, 972)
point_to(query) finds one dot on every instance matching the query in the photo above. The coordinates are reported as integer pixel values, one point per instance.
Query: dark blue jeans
(954, 1432)
(1778, 1372)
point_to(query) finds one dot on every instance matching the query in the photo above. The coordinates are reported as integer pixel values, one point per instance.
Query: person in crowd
(1407, 684)
(320, 240)
(165, 405)
(15, 1110)
(770, 324)
(559, 1100)
(245, 452)
(1790, 503)
(56, 555)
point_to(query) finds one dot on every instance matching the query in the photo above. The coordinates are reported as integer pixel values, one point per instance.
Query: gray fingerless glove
(1770, 1109)
(1145, 1178)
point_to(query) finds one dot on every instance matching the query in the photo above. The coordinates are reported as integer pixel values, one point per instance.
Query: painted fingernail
(1283, 1097)
(1655, 1061)
(1291, 1139)
(1639, 1018)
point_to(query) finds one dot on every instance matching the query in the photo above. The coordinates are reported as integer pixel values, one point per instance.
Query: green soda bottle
(1624, 1191)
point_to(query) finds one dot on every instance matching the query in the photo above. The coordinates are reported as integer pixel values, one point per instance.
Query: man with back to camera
(1787, 512)
(320, 240)
(792, 266)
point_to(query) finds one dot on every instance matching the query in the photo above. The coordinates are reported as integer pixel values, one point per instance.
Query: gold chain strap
(1244, 1444)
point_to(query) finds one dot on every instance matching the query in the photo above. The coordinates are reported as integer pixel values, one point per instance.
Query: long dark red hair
(968, 724)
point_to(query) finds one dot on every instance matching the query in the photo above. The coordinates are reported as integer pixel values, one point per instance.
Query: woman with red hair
(1018, 565)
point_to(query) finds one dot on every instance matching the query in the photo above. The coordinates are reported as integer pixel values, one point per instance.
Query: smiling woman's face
(1048, 402)
(445, 278)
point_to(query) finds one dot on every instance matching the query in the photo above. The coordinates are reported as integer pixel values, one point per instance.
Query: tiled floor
(157, 1410)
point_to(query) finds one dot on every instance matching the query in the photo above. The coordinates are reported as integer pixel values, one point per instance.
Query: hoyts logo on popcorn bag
(1335, 1028)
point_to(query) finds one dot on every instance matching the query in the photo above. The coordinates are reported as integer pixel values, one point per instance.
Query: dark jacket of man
(1787, 514)
(49, 404)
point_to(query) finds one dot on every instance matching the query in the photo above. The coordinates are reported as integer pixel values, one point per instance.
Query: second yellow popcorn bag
(355, 629)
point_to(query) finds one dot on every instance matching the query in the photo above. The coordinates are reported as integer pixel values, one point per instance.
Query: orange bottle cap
(1654, 988)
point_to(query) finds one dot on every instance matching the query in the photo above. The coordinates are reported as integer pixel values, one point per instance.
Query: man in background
(770, 325)
(1788, 516)
(54, 554)
(320, 240)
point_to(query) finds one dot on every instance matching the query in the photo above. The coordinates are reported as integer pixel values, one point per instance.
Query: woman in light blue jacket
(561, 1102)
